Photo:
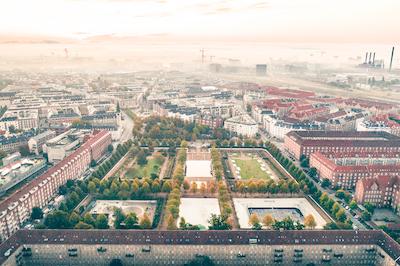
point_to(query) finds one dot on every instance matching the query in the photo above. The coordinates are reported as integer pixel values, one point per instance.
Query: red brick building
(345, 169)
(382, 191)
(299, 143)
(17, 208)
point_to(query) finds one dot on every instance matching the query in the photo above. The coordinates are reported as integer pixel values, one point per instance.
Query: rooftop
(242, 237)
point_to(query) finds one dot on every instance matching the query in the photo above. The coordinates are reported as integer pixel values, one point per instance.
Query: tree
(92, 187)
(182, 223)
(341, 194)
(82, 225)
(335, 208)
(341, 215)
(88, 218)
(116, 262)
(366, 215)
(313, 172)
(219, 222)
(353, 205)
(253, 219)
(131, 221)
(193, 187)
(268, 220)
(370, 207)
(203, 188)
(110, 148)
(74, 218)
(57, 220)
(119, 218)
(141, 158)
(186, 185)
(325, 183)
(62, 190)
(171, 222)
(37, 213)
(145, 222)
(101, 222)
(309, 221)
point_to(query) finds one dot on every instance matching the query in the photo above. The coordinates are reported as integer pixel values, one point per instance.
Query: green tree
(341, 215)
(101, 222)
(131, 221)
(57, 220)
(145, 222)
(37, 213)
(88, 218)
(219, 222)
(74, 218)
(366, 215)
(353, 205)
(82, 225)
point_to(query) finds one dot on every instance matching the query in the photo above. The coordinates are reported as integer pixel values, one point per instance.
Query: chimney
(369, 60)
(391, 59)
(373, 59)
(366, 58)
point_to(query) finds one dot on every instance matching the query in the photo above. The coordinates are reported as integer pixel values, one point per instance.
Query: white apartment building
(242, 125)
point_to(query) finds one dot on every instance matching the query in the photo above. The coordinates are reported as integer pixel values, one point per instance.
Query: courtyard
(139, 207)
(249, 165)
(278, 208)
(197, 211)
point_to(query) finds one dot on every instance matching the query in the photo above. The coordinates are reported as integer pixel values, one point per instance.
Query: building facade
(299, 143)
(17, 208)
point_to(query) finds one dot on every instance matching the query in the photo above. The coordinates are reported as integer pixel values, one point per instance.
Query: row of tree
(174, 197)
(267, 186)
(106, 166)
(286, 224)
(216, 163)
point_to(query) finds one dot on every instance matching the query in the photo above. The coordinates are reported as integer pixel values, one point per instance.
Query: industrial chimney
(373, 59)
(391, 59)
(366, 58)
(369, 60)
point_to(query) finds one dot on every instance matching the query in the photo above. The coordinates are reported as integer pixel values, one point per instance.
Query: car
(8, 252)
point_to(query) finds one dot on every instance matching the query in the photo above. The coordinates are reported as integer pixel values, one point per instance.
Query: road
(127, 126)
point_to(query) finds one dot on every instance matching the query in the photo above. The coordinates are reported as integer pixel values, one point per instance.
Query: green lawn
(250, 168)
(153, 165)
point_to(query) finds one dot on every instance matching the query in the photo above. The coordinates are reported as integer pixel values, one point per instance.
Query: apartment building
(17, 208)
(139, 247)
(242, 125)
(299, 143)
(381, 191)
(36, 143)
(345, 169)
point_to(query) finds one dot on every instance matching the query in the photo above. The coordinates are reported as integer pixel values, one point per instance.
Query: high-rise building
(261, 69)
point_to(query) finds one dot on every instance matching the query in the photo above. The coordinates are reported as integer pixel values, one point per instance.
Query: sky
(337, 21)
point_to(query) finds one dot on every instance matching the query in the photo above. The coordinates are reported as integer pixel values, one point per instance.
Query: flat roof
(198, 168)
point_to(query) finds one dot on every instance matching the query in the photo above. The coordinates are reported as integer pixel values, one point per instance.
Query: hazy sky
(374, 21)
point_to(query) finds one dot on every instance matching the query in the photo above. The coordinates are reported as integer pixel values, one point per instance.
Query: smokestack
(373, 59)
(366, 58)
(391, 59)
(369, 60)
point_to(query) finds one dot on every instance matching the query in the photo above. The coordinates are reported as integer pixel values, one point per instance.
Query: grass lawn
(153, 165)
(250, 168)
